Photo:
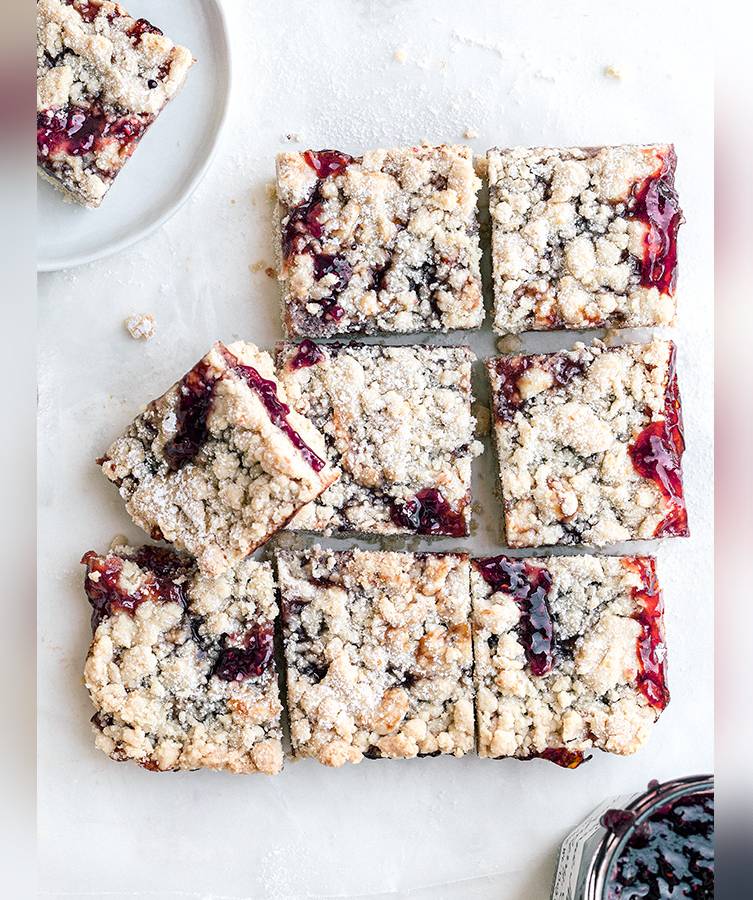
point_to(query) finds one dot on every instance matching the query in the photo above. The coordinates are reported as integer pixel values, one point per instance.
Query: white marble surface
(515, 73)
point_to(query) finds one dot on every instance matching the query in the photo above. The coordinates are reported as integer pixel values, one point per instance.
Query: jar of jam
(654, 845)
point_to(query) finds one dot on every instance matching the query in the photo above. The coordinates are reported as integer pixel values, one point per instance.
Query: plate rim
(46, 264)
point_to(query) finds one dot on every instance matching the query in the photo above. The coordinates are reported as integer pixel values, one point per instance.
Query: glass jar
(590, 853)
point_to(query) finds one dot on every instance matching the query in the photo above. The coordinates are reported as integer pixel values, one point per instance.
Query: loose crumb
(483, 419)
(470, 133)
(293, 137)
(611, 337)
(258, 266)
(141, 326)
(400, 55)
(509, 343)
(612, 71)
(270, 191)
(270, 272)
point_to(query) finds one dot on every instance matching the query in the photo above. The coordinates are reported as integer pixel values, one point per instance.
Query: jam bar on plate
(385, 242)
(583, 237)
(397, 421)
(590, 444)
(102, 79)
(181, 667)
(569, 654)
(378, 652)
(220, 462)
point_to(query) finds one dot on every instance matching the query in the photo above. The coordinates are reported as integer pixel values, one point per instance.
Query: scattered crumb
(400, 55)
(119, 540)
(270, 272)
(481, 166)
(611, 336)
(470, 133)
(258, 265)
(270, 191)
(233, 201)
(141, 326)
(612, 71)
(483, 419)
(509, 343)
(294, 137)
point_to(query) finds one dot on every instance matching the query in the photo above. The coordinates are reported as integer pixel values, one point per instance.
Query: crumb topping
(590, 445)
(141, 326)
(220, 462)
(384, 242)
(163, 670)
(378, 651)
(592, 692)
(583, 237)
(397, 422)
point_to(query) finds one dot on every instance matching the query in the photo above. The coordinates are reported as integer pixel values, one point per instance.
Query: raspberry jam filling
(302, 225)
(107, 597)
(327, 264)
(561, 756)
(249, 661)
(307, 354)
(429, 513)
(529, 586)
(510, 369)
(196, 392)
(139, 28)
(276, 409)
(652, 673)
(668, 854)
(657, 452)
(327, 163)
(78, 131)
(655, 203)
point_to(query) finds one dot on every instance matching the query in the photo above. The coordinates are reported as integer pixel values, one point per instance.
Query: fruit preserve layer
(385, 242)
(378, 652)
(102, 79)
(590, 443)
(583, 237)
(181, 667)
(398, 423)
(220, 462)
(569, 655)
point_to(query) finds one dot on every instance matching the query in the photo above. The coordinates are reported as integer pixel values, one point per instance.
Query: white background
(516, 73)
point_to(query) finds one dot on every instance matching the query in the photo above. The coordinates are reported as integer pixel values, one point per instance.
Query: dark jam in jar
(668, 854)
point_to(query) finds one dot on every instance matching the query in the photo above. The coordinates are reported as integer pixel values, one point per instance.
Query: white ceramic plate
(169, 162)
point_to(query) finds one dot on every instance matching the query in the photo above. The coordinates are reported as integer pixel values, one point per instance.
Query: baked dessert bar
(398, 423)
(220, 462)
(384, 242)
(590, 443)
(181, 667)
(103, 77)
(583, 237)
(569, 654)
(378, 652)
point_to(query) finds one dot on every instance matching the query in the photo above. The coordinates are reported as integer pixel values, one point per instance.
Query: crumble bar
(378, 652)
(102, 79)
(181, 666)
(397, 422)
(385, 242)
(220, 462)
(569, 654)
(590, 443)
(583, 237)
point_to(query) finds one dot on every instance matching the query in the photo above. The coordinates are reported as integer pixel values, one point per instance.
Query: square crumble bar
(397, 422)
(378, 652)
(590, 443)
(220, 462)
(103, 77)
(385, 242)
(181, 666)
(569, 654)
(583, 237)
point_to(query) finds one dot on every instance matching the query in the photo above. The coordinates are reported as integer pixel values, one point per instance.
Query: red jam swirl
(430, 513)
(655, 203)
(657, 452)
(250, 660)
(529, 586)
(652, 668)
